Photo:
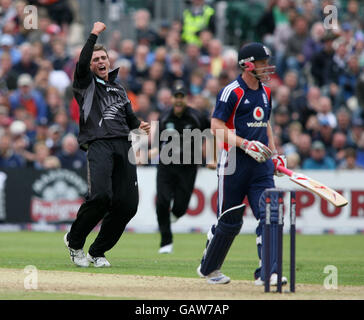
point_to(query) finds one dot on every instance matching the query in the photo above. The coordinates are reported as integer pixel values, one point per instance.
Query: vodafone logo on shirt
(258, 113)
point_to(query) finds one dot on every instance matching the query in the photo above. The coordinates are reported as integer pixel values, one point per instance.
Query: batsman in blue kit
(241, 119)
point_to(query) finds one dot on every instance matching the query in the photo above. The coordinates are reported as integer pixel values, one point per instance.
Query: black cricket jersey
(105, 110)
(173, 137)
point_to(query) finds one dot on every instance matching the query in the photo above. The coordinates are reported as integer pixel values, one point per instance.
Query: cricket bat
(320, 189)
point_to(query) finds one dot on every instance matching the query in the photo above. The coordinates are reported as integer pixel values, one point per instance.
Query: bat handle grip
(285, 170)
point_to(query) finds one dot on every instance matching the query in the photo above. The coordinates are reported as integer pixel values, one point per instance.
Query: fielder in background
(241, 120)
(177, 168)
(106, 118)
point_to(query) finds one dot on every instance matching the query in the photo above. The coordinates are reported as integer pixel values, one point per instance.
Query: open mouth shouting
(102, 69)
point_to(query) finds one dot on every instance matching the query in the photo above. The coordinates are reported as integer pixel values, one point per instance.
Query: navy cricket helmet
(255, 51)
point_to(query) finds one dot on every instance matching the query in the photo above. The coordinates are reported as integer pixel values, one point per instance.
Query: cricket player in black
(106, 119)
(176, 180)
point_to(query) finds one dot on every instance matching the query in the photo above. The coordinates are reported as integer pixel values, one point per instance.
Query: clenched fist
(98, 28)
(145, 126)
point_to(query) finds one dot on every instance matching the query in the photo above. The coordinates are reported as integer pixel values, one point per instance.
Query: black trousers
(112, 196)
(174, 182)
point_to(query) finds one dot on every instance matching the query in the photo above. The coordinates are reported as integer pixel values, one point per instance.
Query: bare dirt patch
(162, 288)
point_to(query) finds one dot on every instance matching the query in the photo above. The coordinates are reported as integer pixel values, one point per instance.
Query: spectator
(150, 89)
(230, 57)
(205, 38)
(325, 113)
(197, 18)
(313, 44)
(322, 62)
(318, 158)
(27, 97)
(282, 33)
(311, 106)
(309, 12)
(325, 133)
(281, 119)
(143, 107)
(54, 139)
(126, 78)
(115, 40)
(349, 161)
(7, 45)
(160, 55)
(66, 125)
(21, 148)
(26, 63)
(197, 82)
(343, 120)
(60, 57)
(352, 14)
(164, 99)
(8, 159)
(215, 53)
(70, 65)
(282, 99)
(8, 78)
(338, 148)
(70, 156)
(127, 49)
(58, 10)
(192, 57)
(177, 70)
(54, 103)
(356, 132)
(295, 44)
(162, 32)
(144, 33)
(7, 13)
(304, 146)
(140, 68)
(297, 96)
(211, 90)
(173, 41)
(348, 79)
(156, 74)
(51, 162)
(293, 161)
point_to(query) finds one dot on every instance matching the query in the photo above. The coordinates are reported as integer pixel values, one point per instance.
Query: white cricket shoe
(166, 249)
(99, 262)
(273, 280)
(215, 277)
(78, 257)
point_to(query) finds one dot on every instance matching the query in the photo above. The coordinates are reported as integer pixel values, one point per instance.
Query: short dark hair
(99, 47)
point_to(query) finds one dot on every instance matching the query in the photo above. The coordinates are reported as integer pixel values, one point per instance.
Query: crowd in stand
(317, 92)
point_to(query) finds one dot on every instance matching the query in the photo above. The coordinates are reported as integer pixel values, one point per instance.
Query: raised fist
(98, 28)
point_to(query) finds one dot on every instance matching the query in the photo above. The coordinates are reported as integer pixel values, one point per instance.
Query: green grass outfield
(136, 254)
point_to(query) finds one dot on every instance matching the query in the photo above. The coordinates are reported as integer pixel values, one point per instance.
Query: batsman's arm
(270, 134)
(224, 134)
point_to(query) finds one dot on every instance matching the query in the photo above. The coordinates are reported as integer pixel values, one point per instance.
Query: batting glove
(279, 160)
(257, 150)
